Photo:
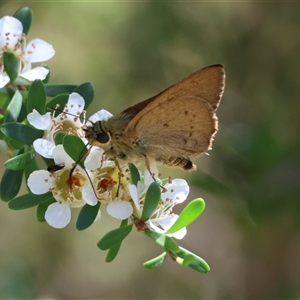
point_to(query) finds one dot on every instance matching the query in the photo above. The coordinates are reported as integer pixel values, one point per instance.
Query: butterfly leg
(150, 165)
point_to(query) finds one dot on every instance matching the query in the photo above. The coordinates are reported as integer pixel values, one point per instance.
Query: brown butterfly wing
(207, 83)
(181, 121)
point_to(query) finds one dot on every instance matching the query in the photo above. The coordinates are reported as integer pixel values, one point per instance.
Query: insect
(170, 128)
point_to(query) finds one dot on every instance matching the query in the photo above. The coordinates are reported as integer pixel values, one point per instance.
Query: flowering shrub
(77, 175)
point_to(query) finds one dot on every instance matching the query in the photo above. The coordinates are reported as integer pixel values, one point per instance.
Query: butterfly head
(98, 135)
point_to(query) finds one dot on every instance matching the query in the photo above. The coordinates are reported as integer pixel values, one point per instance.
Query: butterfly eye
(103, 137)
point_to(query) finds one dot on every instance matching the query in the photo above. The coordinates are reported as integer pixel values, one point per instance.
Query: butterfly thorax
(114, 140)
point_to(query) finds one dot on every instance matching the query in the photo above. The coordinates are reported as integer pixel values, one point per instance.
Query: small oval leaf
(10, 184)
(75, 147)
(163, 240)
(151, 201)
(53, 90)
(21, 133)
(24, 15)
(193, 261)
(29, 200)
(59, 138)
(114, 237)
(59, 100)
(155, 262)
(188, 215)
(87, 216)
(13, 108)
(113, 251)
(11, 65)
(134, 174)
(37, 97)
(19, 162)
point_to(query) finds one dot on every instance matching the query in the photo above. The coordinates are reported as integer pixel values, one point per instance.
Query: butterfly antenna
(65, 112)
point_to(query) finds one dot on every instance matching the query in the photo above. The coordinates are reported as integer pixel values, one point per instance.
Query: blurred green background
(249, 232)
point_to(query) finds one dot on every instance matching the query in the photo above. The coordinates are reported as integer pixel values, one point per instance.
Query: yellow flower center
(69, 188)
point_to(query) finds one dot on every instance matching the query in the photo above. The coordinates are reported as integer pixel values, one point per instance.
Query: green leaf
(189, 214)
(188, 260)
(113, 251)
(13, 144)
(86, 90)
(193, 261)
(58, 103)
(21, 133)
(155, 262)
(114, 237)
(11, 65)
(24, 15)
(59, 138)
(20, 161)
(37, 97)
(134, 174)
(75, 147)
(54, 89)
(151, 201)
(41, 209)
(163, 240)
(13, 108)
(23, 113)
(29, 200)
(31, 167)
(10, 184)
(87, 216)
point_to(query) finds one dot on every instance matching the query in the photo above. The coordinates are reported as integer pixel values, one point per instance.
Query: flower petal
(38, 50)
(101, 115)
(93, 160)
(39, 121)
(166, 224)
(75, 105)
(88, 195)
(120, 210)
(44, 147)
(4, 79)
(11, 30)
(58, 215)
(40, 182)
(134, 195)
(61, 157)
(177, 190)
(35, 73)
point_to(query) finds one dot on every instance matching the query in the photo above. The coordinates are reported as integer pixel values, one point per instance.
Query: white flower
(94, 159)
(68, 122)
(69, 189)
(101, 115)
(12, 39)
(120, 210)
(174, 192)
(58, 215)
(111, 189)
